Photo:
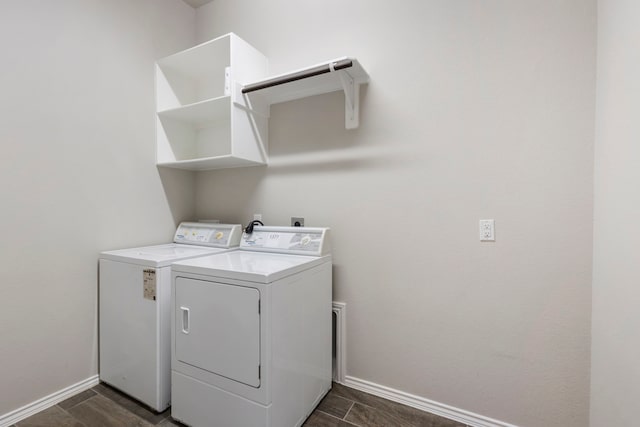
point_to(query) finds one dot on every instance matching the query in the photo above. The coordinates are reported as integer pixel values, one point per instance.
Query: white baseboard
(446, 411)
(47, 401)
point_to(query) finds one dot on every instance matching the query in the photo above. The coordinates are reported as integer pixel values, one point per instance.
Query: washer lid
(159, 255)
(259, 267)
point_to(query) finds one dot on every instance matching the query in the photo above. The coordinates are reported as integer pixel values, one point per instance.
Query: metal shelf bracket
(351, 100)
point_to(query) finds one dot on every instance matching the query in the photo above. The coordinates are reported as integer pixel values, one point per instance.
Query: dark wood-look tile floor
(103, 406)
(347, 407)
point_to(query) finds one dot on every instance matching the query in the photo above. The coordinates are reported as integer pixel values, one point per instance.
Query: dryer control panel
(208, 234)
(288, 240)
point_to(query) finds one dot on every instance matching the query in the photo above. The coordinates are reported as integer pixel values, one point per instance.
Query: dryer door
(217, 328)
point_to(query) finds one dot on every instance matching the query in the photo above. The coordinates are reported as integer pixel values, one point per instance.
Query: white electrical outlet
(487, 230)
(257, 217)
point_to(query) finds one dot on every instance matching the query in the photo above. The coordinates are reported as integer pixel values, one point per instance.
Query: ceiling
(196, 3)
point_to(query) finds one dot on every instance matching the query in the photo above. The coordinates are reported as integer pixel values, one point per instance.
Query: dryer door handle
(185, 319)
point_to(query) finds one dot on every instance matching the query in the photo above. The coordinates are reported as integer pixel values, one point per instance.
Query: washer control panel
(288, 240)
(208, 234)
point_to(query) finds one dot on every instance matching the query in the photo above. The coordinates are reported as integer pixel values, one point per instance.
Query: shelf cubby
(198, 125)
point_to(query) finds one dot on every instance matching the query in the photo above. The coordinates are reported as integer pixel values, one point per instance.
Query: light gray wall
(615, 371)
(78, 173)
(474, 110)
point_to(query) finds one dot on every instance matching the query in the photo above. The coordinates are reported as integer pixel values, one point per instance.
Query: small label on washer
(149, 284)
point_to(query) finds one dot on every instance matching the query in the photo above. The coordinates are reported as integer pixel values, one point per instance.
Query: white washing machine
(251, 331)
(135, 309)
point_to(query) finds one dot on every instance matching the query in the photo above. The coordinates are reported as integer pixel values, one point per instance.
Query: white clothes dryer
(135, 309)
(251, 331)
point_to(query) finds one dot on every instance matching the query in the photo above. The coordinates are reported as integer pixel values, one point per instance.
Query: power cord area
(249, 228)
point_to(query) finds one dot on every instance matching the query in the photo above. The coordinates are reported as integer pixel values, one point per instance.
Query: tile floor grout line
(73, 406)
(71, 415)
(365, 405)
(378, 409)
(144, 421)
(326, 413)
(349, 410)
(337, 418)
(385, 410)
(132, 401)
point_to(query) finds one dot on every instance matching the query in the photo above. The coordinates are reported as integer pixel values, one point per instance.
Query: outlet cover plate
(487, 230)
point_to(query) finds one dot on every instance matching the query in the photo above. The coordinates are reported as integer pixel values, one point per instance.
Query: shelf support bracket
(351, 100)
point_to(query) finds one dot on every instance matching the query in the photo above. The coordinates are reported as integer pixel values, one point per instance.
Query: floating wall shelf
(213, 102)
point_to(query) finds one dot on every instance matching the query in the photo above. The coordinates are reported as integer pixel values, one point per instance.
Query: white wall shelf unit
(213, 102)
(344, 74)
(198, 125)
